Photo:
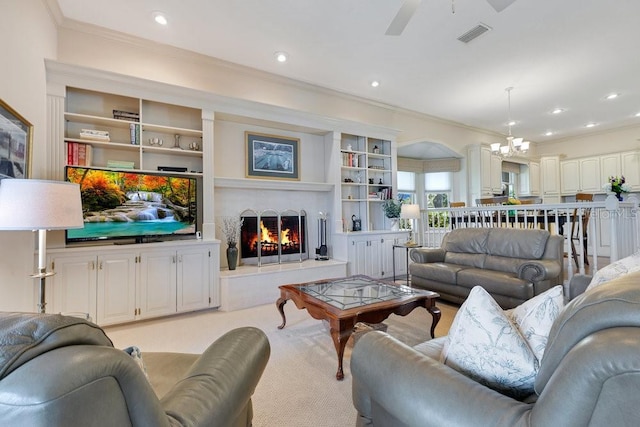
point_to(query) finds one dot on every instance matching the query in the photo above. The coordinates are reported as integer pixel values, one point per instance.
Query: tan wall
(29, 36)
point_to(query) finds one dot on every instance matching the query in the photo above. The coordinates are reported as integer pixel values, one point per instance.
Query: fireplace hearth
(273, 237)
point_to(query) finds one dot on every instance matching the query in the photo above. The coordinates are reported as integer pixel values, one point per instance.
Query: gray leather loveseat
(60, 371)
(513, 265)
(589, 374)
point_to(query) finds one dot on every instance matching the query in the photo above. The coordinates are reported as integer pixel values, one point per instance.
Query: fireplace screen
(273, 237)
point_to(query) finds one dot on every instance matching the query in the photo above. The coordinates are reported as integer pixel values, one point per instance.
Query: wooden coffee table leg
(340, 333)
(435, 314)
(280, 304)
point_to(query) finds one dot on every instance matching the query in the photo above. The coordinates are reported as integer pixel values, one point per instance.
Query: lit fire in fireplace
(290, 239)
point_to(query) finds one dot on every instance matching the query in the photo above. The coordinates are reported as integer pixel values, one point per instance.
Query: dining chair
(579, 225)
(457, 204)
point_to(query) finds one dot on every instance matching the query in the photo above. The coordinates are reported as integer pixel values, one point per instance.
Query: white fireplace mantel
(267, 184)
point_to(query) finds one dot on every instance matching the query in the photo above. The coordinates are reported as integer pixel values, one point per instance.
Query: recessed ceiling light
(548, 133)
(160, 18)
(375, 83)
(637, 114)
(557, 111)
(511, 123)
(613, 96)
(590, 125)
(281, 56)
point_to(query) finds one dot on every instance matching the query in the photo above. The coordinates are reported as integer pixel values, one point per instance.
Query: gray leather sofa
(513, 265)
(589, 374)
(63, 371)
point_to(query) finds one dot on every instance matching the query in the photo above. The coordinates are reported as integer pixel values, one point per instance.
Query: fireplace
(273, 237)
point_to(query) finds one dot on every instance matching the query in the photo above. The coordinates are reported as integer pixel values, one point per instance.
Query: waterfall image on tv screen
(119, 204)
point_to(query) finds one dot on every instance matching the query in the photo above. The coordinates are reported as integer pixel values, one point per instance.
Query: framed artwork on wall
(272, 157)
(15, 143)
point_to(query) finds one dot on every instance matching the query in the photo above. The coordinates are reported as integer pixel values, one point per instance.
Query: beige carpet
(298, 387)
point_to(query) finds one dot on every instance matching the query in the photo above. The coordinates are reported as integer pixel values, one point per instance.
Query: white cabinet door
(157, 287)
(590, 175)
(194, 278)
(485, 171)
(496, 174)
(630, 168)
(364, 256)
(570, 177)
(116, 288)
(534, 178)
(550, 178)
(609, 166)
(73, 288)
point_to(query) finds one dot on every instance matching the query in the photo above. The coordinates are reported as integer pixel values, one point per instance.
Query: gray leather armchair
(63, 371)
(589, 374)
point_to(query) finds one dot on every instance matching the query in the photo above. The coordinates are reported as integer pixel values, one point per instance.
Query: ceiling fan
(409, 7)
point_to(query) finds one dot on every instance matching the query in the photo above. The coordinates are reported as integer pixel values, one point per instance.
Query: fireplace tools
(322, 253)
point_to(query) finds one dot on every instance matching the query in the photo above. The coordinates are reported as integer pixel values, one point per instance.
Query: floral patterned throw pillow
(486, 346)
(535, 317)
(615, 270)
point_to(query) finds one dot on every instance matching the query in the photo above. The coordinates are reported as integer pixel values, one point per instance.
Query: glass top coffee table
(346, 301)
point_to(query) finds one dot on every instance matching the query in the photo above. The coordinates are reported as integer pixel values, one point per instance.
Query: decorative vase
(232, 256)
(619, 196)
(395, 226)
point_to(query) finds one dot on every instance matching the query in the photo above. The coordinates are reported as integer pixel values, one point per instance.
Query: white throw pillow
(484, 345)
(136, 355)
(615, 270)
(535, 317)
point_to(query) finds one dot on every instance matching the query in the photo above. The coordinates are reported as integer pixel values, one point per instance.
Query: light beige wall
(29, 36)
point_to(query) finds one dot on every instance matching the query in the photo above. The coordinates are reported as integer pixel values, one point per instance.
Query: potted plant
(392, 208)
(231, 226)
(617, 185)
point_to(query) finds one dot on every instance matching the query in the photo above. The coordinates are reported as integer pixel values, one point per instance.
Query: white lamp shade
(32, 204)
(495, 147)
(410, 211)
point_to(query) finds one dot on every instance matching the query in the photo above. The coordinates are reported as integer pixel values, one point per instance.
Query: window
(437, 187)
(407, 187)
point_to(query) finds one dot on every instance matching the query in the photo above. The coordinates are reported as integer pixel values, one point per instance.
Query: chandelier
(514, 146)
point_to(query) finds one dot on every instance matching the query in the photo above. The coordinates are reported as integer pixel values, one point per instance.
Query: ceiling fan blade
(500, 5)
(402, 18)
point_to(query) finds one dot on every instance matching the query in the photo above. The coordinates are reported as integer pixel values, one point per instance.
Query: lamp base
(42, 275)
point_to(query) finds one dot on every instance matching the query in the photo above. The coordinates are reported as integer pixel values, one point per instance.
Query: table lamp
(32, 204)
(410, 212)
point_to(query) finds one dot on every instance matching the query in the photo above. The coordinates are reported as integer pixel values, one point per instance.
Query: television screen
(118, 204)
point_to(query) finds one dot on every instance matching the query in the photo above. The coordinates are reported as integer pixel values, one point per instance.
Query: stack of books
(96, 135)
(126, 115)
(120, 164)
(79, 154)
(134, 131)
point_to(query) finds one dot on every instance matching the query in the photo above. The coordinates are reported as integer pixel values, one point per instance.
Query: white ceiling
(554, 53)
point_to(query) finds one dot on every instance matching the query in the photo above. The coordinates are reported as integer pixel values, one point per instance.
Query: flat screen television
(135, 205)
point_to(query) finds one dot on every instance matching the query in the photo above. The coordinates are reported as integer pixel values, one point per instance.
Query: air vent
(474, 33)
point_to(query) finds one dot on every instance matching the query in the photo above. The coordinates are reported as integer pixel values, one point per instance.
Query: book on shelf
(95, 135)
(126, 115)
(350, 159)
(120, 164)
(79, 154)
(134, 131)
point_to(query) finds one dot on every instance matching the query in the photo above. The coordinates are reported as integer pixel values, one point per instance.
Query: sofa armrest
(220, 384)
(393, 383)
(424, 255)
(539, 270)
(578, 284)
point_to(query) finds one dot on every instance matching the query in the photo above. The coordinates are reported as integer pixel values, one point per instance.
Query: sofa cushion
(615, 270)
(468, 259)
(535, 317)
(466, 240)
(496, 282)
(517, 243)
(437, 271)
(484, 345)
